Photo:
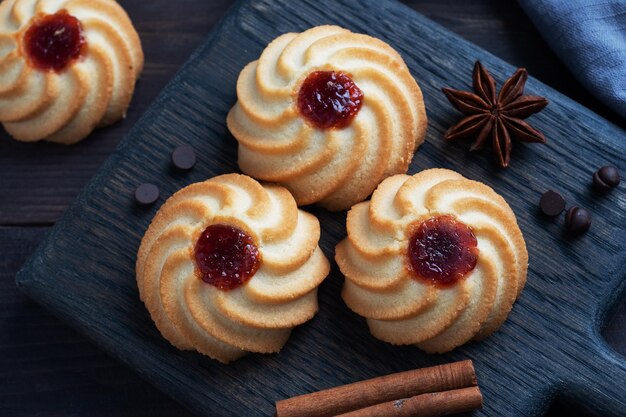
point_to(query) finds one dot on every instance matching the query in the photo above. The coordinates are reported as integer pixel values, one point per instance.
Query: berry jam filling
(226, 256)
(442, 250)
(329, 99)
(52, 41)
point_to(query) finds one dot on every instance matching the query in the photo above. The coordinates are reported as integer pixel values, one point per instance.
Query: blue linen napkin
(590, 37)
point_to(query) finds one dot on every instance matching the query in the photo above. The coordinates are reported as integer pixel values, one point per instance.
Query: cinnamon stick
(434, 404)
(374, 391)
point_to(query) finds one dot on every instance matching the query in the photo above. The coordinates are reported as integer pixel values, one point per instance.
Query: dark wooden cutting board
(551, 344)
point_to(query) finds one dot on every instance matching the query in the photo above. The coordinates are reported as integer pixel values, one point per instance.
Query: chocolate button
(577, 220)
(552, 203)
(606, 178)
(184, 157)
(146, 194)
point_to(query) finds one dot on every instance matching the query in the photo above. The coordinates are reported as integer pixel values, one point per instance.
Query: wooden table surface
(47, 368)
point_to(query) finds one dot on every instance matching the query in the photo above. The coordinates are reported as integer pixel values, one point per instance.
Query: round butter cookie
(66, 67)
(433, 259)
(328, 114)
(230, 266)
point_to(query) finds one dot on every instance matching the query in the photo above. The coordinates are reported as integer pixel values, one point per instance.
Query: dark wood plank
(46, 368)
(548, 347)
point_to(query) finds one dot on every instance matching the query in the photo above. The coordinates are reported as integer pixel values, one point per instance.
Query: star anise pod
(499, 116)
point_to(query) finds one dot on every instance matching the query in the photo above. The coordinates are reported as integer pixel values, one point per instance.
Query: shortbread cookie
(66, 67)
(230, 266)
(433, 259)
(328, 114)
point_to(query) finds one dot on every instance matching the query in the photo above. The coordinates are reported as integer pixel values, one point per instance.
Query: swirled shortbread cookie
(328, 114)
(230, 266)
(66, 67)
(433, 259)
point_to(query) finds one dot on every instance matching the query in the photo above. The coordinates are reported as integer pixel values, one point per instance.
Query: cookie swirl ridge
(257, 316)
(400, 307)
(67, 103)
(335, 167)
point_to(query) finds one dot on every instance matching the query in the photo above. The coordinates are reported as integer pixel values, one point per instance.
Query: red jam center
(52, 41)
(226, 256)
(442, 250)
(329, 99)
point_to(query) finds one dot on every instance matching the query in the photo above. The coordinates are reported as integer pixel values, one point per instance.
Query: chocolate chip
(146, 194)
(606, 178)
(577, 220)
(184, 157)
(552, 203)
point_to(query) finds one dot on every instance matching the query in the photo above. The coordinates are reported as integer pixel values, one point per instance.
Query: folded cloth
(590, 37)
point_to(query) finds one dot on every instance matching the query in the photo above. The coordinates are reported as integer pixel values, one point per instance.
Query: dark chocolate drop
(184, 157)
(606, 178)
(552, 203)
(577, 220)
(146, 194)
